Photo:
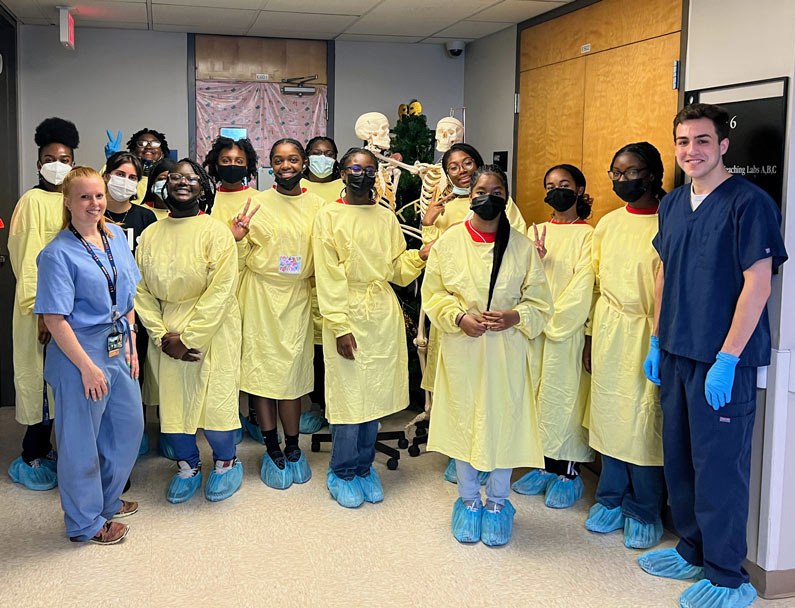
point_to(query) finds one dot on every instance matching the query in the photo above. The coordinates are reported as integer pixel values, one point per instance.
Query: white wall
(115, 79)
(730, 42)
(378, 77)
(489, 86)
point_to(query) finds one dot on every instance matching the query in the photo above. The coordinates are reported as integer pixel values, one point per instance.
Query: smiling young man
(719, 242)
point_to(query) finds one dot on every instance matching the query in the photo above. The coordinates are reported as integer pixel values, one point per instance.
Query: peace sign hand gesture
(540, 242)
(113, 145)
(435, 207)
(240, 223)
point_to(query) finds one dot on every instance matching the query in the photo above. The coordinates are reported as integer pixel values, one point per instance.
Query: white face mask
(159, 188)
(120, 188)
(55, 172)
(320, 165)
(458, 191)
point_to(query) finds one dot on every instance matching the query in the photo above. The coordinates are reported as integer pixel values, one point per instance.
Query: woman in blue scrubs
(86, 285)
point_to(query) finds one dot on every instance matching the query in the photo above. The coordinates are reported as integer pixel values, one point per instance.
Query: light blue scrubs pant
(98, 441)
(498, 487)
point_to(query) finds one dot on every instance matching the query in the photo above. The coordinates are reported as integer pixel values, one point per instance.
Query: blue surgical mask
(320, 165)
(158, 188)
(459, 191)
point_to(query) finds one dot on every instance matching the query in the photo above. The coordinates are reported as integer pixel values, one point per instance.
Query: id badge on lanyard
(290, 264)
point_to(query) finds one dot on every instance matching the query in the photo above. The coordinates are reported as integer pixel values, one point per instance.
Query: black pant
(36, 443)
(568, 468)
(318, 393)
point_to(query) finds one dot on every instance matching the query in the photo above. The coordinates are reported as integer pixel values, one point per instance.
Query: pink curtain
(260, 108)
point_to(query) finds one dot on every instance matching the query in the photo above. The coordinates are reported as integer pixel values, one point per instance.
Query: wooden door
(550, 130)
(629, 97)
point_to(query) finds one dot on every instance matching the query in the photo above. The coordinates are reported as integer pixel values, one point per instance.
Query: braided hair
(650, 156)
(335, 172)
(584, 200)
(344, 161)
(222, 143)
(503, 227)
(207, 196)
(132, 143)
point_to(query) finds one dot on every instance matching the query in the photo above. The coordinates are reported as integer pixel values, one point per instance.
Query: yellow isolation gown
(561, 384)
(625, 419)
(37, 218)
(274, 296)
(456, 211)
(330, 192)
(484, 411)
(359, 250)
(159, 213)
(227, 206)
(189, 277)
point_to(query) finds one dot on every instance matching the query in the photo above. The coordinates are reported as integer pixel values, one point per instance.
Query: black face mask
(288, 183)
(360, 184)
(232, 174)
(488, 206)
(560, 199)
(147, 165)
(178, 206)
(630, 190)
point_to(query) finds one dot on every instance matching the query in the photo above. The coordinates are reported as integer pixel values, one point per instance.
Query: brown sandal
(127, 508)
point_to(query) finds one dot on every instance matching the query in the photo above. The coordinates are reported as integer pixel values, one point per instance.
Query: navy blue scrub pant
(707, 456)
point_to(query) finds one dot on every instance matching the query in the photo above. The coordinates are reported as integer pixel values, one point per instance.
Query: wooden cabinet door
(550, 130)
(629, 97)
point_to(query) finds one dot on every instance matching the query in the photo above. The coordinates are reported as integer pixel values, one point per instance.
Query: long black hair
(207, 196)
(164, 164)
(335, 172)
(503, 227)
(132, 143)
(651, 158)
(583, 200)
(466, 149)
(222, 143)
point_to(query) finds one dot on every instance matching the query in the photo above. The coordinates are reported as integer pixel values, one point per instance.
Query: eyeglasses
(176, 178)
(454, 168)
(357, 170)
(629, 173)
(148, 143)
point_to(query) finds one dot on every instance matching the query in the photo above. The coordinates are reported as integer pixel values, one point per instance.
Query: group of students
(547, 343)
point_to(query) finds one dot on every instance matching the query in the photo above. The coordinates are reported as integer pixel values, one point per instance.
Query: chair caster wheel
(414, 451)
(403, 443)
(392, 464)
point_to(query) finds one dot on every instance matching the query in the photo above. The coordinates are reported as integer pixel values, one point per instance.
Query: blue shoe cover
(311, 422)
(165, 448)
(222, 486)
(254, 431)
(300, 469)
(483, 477)
(372, 490)
(496, 528)
(533, 483)
(604, 520)
(36, 477)
(144, 447)
(449, 473)
(638, 535)
(274, 477)
(466, 523)
(181, 489)
(706, 595)
(669, 564)
(50, 461)
(347, 493)
(563, 493)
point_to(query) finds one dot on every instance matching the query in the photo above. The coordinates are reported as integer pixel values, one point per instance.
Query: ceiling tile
(22, 9)
(270, 23)
(202, 17)
(437, 40)
(473, 29)
(377, 38)
(224, 4)
(36, 21)
(218, 29)
(415, 17)
(118, 12)
(514, 11)
(118, 25)
(338, 7)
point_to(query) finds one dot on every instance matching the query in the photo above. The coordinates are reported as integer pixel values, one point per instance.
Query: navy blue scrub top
(704, 253)
(71, 284)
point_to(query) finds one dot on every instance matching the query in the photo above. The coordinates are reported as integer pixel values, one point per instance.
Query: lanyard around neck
(106, 246)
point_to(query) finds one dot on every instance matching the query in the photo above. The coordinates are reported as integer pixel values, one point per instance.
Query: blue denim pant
(639, 491)
(498, 487)
(353, 449)
(185, 448)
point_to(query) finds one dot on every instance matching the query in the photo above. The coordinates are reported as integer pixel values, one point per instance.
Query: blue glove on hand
(652, 363)
(113, 145)
(720, 379)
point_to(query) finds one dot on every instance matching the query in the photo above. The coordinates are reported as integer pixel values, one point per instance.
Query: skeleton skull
(449, 131)
(374, 128)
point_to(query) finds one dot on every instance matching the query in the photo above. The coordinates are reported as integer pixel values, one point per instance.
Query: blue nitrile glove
(720, 379)
(113, 145)
(652, 363)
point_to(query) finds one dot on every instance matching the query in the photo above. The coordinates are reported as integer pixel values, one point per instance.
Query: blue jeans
(498, 487)
(185, 448)
(353, 449)
(639, 491)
